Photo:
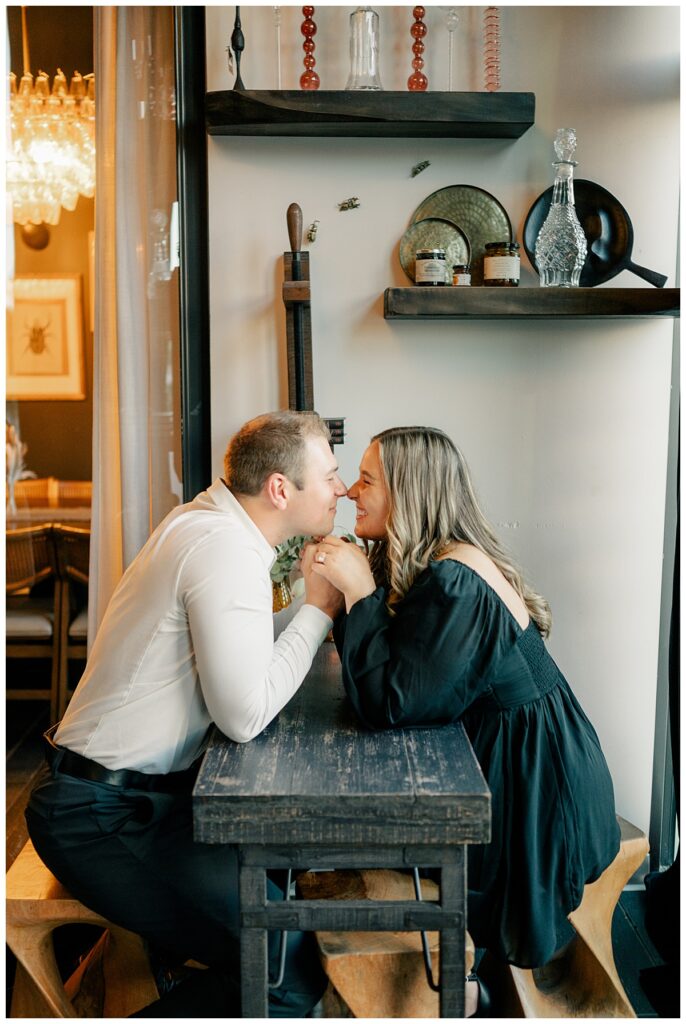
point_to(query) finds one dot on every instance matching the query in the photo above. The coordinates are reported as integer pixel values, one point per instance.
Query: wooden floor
(26, 721)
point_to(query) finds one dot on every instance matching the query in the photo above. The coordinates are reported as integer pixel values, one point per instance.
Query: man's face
(313, 509)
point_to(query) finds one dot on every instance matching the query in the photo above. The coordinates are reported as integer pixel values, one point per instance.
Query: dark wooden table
(317, 790)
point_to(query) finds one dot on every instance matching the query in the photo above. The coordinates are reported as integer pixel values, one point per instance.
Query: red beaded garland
(309, 79)
(418, 82)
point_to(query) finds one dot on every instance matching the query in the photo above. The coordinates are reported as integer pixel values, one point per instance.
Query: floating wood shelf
(404, 115)
(450, 303)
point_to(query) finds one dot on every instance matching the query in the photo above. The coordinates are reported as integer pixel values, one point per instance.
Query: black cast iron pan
(608, 231)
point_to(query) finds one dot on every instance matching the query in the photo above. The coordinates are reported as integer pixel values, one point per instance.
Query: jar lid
(458, 267)
(430, 252)
(512, 246)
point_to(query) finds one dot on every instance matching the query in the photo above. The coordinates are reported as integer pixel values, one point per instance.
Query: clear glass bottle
(364, 50)
(561, 245)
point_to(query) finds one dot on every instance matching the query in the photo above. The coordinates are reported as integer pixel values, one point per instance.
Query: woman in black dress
(440, 626)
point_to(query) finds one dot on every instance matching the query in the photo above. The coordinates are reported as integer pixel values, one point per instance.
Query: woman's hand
(345, 565)
(318, 590)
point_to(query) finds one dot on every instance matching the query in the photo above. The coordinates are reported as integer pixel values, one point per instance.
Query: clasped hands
(340, 565)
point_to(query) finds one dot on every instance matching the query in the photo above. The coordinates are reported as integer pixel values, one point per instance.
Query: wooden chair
(583, 981)
(74, 493)
(114, 979)
(40, 493)
(73, 552)
(32, 621)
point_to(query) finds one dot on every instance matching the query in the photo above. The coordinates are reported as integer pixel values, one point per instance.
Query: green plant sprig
(289, 552)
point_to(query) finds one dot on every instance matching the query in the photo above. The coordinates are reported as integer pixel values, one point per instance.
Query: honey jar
(501, 265)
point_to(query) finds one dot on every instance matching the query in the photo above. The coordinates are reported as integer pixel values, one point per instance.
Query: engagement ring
(321, 556)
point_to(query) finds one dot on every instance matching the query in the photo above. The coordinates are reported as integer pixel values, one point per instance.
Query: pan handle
(651, 276)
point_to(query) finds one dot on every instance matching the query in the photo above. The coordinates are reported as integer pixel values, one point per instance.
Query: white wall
(564, 423)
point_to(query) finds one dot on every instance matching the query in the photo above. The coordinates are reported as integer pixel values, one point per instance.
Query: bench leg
(26, 999)
(34, 950)
(129, 983)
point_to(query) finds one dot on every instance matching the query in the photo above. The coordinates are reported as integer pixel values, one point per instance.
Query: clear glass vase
(364, 50)
(561, 246)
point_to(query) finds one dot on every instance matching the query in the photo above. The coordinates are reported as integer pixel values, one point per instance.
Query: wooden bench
(117, 968)
(583, 981)
(377, 974)
(382, 975)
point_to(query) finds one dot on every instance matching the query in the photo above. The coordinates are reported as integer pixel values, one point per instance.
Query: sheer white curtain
(136, 401)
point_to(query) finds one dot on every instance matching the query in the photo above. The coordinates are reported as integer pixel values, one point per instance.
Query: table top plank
(317, 775)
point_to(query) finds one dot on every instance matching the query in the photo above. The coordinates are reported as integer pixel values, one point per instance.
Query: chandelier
(51, 155)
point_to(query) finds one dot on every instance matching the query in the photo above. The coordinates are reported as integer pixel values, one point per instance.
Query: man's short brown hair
(272, 443)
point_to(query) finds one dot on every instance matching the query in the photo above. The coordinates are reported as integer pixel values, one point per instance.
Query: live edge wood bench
(383, 975)
(584, 981)
(113, 979)
(316, 790)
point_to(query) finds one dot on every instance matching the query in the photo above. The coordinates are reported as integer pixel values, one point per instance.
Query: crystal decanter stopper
(561, 245)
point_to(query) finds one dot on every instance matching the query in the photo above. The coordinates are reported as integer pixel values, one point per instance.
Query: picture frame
(45, 353)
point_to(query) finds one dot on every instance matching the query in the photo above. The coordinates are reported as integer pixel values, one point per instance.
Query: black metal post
(191, 168)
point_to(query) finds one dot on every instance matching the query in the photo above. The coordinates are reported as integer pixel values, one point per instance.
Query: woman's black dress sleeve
(426, 663)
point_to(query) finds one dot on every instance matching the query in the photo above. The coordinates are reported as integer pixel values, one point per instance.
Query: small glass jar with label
(461, 275)
(501, 265)
(430, 267)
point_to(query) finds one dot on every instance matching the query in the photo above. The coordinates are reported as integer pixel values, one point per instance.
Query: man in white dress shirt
(187, 640)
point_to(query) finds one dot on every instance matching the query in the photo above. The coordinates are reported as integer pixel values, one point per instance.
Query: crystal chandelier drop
(51, 154)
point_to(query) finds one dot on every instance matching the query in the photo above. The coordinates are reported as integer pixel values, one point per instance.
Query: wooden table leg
(254, 962)
(452, 955)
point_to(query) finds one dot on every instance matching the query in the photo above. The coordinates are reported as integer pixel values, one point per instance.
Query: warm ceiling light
(51, 155)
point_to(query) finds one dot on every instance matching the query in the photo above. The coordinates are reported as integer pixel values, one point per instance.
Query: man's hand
(345, 566)
(318, 590)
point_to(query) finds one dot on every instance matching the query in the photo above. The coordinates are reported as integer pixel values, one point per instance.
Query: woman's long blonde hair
(432, 505)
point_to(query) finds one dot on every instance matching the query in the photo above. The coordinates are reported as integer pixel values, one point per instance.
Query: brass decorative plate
(479, 214)
(434, 233)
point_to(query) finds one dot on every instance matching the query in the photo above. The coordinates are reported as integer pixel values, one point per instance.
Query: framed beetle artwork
(45, 357)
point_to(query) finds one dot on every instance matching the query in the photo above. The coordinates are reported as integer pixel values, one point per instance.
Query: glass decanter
(364, 50)
(561, 245)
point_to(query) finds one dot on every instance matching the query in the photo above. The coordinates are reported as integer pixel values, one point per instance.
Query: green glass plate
(434, 233)
(479, 214)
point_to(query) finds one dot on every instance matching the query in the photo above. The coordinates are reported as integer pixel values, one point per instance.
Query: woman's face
(370, 496)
